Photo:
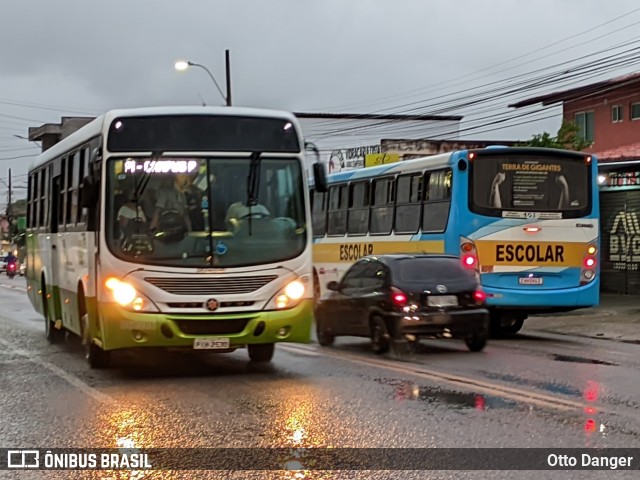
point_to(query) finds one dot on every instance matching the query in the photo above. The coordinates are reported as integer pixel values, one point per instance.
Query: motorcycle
(11, 270)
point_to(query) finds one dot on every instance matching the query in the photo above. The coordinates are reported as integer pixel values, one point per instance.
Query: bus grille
(212, 327)
(211, 286)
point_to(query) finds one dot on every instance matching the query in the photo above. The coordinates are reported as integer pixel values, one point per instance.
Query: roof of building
(377, 116)
(581, 92)
(619, 154)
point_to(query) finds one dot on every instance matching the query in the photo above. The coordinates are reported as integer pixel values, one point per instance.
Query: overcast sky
(82, 57)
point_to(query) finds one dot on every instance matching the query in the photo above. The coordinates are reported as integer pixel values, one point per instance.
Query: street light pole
(228, 70)
(183, 65)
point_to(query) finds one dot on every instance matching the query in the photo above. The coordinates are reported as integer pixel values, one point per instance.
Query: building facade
(607, 114)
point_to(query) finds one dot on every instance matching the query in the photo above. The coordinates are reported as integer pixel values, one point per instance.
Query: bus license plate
(442, 301)
(530, 281)
(214, 343)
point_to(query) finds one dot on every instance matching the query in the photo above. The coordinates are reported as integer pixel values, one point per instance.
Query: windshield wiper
(146, 176)
(253, 183)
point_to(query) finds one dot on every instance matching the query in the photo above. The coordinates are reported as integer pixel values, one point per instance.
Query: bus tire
(380, 338)
(261, 352)
(97, 357)
(52, 334)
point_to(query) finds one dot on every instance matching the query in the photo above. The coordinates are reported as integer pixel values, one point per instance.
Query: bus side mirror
(319, 178)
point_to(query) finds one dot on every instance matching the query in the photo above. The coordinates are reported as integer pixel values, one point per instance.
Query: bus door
(55, 216)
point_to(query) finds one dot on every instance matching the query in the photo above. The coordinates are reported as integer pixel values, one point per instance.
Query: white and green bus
(174, 227)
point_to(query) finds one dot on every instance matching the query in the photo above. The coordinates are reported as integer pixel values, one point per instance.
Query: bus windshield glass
(196, 212)
(505, 185)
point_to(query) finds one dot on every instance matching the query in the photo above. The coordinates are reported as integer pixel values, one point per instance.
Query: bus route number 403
(212, 343)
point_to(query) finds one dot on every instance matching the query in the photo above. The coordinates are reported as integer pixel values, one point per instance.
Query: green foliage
(567, 138)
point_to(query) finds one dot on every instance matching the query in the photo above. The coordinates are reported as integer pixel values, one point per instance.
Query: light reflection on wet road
(531, 391)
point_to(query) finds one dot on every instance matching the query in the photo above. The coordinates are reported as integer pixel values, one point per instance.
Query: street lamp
(182, 65)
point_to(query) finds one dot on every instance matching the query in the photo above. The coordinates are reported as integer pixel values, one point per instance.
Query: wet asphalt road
(535, 390)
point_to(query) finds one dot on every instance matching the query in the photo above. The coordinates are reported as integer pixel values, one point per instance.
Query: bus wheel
(97, 357)
(52, 334)
(506, 323)
(513, 327)
(261, 352)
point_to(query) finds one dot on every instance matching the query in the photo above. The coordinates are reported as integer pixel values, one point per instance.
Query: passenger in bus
(239, 212)
(193, 196)
(171, 203)
(131, 218)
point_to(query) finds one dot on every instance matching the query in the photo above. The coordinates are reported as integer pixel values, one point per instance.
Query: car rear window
(431, 270)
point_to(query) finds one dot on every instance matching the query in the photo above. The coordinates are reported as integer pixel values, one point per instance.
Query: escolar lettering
(530, 253)
(355, 251)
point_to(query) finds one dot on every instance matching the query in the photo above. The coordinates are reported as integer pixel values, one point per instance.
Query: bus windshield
(196, 212)
(502, 185)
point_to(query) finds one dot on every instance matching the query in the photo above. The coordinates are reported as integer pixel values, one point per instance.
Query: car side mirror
(333, 286)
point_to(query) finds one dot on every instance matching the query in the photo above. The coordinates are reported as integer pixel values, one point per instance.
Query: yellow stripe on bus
(504, 252)
(352, 251)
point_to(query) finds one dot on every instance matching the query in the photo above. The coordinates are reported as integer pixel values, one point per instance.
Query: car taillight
(12, 266)
(479, 296)
(398, 297)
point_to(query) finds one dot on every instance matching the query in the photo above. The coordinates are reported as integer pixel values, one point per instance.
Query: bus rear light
(398, 297)
(591, 250)
(587, 159)
(470, 261)
(532, 229)
(588, 274)
(472, 156)
(467, 247)
(590, 262)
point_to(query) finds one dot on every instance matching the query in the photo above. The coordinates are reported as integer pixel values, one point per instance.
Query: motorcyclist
(11, 259)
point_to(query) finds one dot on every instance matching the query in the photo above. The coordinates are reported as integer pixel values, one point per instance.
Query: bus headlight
(125, 295)
(290, 295)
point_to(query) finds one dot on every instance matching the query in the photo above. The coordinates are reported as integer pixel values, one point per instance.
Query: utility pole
(228, 69)
(9, 216)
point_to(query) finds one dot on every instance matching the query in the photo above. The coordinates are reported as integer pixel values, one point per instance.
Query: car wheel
(325, 339)
(476, 342)
(379, 335)
(261, 352)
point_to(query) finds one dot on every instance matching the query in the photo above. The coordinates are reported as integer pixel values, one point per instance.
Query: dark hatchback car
(400, 298)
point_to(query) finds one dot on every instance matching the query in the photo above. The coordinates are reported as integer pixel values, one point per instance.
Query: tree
(568, 137)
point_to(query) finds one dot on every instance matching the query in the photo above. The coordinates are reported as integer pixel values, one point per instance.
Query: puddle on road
(438, 396)
(569, 358)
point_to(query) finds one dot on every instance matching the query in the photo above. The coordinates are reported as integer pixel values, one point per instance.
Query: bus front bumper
(126, 329)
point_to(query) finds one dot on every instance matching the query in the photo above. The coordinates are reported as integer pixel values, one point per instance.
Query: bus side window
(437, 200)
(337, 221)
(319, 213)
(408, 203)
(358, 214)
(382, 209)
